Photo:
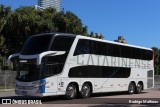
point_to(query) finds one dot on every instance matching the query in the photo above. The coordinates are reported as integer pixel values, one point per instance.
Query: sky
(138, 21)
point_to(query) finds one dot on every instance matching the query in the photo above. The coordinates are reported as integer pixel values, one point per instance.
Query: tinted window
(62, 43)
(116, 72)
(36, 45)
(99, 72)
(121, 73)
(113, 50)
(136, 53)
(126, 52)
(99, 48)
(83, 47)
(147, 55)
(79, 72)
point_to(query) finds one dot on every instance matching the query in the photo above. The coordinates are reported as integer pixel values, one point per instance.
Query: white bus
(65, 64)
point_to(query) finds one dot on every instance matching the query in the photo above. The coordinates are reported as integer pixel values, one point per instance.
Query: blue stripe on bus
(42, 87)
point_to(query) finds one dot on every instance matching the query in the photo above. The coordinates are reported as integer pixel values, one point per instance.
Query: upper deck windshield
(36, 44)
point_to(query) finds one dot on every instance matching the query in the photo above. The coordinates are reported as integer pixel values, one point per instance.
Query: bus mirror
(57, 53)
(12, 56)
(49, 53)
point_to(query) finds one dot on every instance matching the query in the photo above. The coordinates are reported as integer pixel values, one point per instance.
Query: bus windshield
(28, 72)
(36, 44)
(51, 65)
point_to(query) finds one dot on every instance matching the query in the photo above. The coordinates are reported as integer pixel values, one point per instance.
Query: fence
(7, 79)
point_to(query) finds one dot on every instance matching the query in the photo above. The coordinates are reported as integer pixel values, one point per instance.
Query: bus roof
(56, 34)
(90, 38)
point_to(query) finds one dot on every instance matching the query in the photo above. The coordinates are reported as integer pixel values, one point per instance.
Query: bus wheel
(139, 88)
(71, 91)
(131, 88)
(85, 91)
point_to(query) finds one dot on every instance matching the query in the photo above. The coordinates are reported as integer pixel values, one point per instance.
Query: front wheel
(85, 91)
(139, 88)
(131, 88)
(71, 91)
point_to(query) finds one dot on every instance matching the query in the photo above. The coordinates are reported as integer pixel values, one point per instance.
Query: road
(151, 96)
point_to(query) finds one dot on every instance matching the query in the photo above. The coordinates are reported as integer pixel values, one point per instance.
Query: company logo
(6, 101)
(13, 101)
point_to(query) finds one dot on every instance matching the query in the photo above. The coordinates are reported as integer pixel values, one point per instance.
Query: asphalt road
(151, 96)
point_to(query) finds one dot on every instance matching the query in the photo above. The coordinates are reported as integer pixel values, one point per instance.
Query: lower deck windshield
(51, 66)
(28, 72)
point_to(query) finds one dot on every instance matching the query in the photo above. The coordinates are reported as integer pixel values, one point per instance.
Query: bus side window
(99, 48)
(126, 52)
(83, 47)
(147, 55)
(114, 50)
(136, 53)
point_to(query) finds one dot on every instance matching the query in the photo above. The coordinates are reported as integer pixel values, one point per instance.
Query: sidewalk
(7, 93)
(4, 90)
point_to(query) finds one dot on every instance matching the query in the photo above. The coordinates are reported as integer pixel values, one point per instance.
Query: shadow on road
(62, 100)
(112, 94)
(126, 105)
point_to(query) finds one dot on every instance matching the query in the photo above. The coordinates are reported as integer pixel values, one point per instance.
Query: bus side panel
(51, 85)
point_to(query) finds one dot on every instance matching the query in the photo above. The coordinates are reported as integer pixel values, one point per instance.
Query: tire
(85, 91)
(131, 88)
(71, 92)
(139, 88)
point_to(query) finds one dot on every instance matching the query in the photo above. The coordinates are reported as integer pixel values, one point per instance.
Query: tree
(27, 21)
(99, 35)
(68, 22)
(92, 34)
(121, 40)
(156, 60)
(5, 13)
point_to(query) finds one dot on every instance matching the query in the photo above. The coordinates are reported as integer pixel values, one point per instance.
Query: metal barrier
(7, 79)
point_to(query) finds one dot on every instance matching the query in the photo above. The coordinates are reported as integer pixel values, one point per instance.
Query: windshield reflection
(28, 72)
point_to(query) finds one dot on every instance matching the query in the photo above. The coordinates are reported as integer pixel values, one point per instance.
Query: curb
(6, 90)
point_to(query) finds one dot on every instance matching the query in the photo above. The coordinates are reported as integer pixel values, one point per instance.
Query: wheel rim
(139, 87)
(131, 89)
(70, 91)
(85, 90)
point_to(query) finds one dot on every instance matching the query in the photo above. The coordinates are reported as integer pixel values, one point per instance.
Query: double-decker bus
(66, 64)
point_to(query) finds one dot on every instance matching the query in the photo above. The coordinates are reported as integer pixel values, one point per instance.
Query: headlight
(37, 84)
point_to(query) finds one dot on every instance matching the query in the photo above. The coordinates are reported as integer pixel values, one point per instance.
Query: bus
(52, 64)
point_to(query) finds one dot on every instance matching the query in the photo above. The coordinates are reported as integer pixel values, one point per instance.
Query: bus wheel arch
(86, 90)
(139, 87)
(132, 87)
(71, 90)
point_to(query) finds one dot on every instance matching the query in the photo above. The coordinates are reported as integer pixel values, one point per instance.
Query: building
(50, 3)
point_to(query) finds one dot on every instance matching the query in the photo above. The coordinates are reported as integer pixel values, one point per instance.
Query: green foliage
(2, 39)
(23, 22)
(18, 25)
(96, 35)
(4, 15)
(92, 34)
(156, 60)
